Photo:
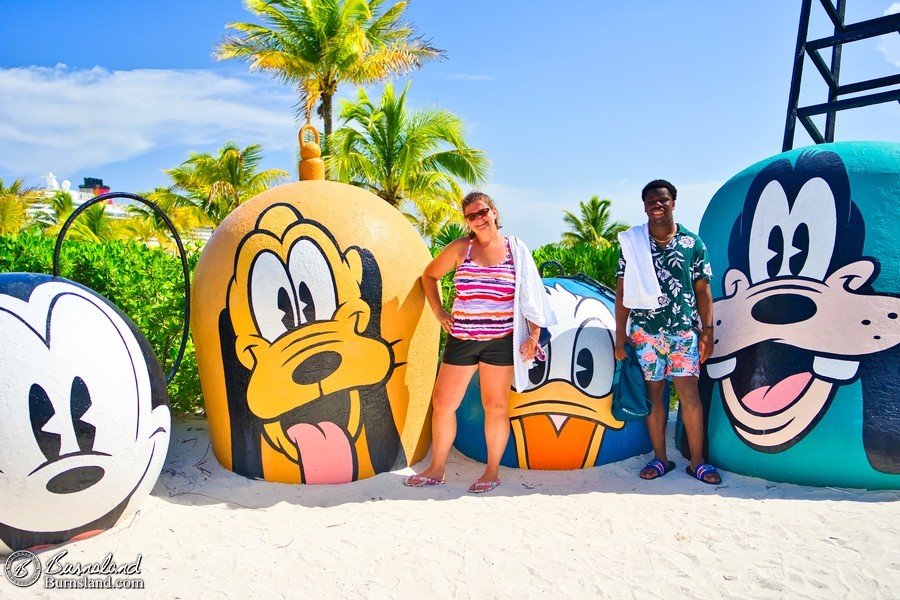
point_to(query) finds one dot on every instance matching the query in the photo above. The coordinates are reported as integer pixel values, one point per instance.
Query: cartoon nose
(75, 480)
(783, 309)
(316, 368)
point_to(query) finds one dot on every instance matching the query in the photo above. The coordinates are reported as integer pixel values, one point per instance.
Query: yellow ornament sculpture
(315, 351)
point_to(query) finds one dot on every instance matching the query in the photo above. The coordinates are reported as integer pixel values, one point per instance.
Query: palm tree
(398, 155)
(14, 202)
(448, 233)
(94, 225)
(210, 187)
(429, 215)
(147, 225)
(595, 227)
(318, 44)
(59, 207)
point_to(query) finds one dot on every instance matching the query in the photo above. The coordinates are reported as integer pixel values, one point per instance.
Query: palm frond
(594, 227)
(314, 45)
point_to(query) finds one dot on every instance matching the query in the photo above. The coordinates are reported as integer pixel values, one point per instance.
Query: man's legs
(651, 351)
(656, 425)
(691, 417)
(685, 360)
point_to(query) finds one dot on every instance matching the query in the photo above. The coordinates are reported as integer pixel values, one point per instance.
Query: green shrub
(145, 283)
(581, 258)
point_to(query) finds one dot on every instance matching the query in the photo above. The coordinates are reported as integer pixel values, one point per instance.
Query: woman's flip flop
(421, 481)
(481, 487)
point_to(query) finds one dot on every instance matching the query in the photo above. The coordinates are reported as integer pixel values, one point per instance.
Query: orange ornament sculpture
(315, 353)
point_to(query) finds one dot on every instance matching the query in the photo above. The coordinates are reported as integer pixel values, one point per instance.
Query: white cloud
(889, 45)
(74, 119)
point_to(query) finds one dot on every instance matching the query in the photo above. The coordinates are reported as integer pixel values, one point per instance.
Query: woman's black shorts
(464, 353)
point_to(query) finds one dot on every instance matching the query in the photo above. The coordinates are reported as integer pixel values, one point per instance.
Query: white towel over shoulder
(641, 287)
(530, 304)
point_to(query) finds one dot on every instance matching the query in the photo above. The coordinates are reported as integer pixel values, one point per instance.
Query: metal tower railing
(843, 33)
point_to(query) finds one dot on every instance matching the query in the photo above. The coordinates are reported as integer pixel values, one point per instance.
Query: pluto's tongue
(324, 452)
(771, 399)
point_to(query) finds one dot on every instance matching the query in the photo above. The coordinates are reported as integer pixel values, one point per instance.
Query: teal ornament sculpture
(802, 386)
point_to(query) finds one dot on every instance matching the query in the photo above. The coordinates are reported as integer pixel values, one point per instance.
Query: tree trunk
(326, 117)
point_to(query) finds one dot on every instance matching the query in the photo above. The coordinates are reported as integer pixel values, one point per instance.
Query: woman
(500, 306)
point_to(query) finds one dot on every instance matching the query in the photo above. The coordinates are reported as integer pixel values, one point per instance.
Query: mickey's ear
(160, 420)
(354, 261)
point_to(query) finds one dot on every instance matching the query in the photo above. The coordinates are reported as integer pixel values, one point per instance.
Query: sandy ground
(597, 533)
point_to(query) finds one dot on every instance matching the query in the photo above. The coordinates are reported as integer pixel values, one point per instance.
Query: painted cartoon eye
(793, 240)
(286, 305)
(313, 281)
(272, 300)
(537, 374)
(776, 247)
(41, 410)
(80, 400)
(801, 245)
(593, 363)
(813, 237)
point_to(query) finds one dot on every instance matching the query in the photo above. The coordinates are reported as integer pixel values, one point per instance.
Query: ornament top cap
(311, 166)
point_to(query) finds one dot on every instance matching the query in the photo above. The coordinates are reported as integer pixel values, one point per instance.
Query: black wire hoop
(181, 253)
(560, 271)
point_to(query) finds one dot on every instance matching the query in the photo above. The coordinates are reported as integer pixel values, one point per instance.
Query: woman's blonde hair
(473, 197)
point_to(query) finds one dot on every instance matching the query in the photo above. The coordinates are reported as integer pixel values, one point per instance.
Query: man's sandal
(658, 466)
(704, 470)
(421, 481)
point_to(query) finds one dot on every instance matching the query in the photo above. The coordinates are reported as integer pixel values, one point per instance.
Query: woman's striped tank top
(483, 309)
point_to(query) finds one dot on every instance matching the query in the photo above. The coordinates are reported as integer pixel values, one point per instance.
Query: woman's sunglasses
(477, 214)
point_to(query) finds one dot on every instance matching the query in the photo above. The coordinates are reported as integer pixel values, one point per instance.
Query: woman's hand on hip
(445, 319)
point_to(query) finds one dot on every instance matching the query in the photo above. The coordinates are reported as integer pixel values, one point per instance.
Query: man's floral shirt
(679, 265)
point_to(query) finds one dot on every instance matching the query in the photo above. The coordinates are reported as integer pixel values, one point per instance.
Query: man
(671, 321)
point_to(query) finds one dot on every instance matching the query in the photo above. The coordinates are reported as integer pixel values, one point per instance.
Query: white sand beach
(597, 533)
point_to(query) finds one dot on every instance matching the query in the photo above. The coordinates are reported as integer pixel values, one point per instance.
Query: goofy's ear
(881, 417)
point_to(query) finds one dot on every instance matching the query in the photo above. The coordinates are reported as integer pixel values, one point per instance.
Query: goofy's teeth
(721, 369)
(835, 368)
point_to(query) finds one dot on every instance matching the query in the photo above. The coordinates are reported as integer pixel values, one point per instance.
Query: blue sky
(587, 98)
